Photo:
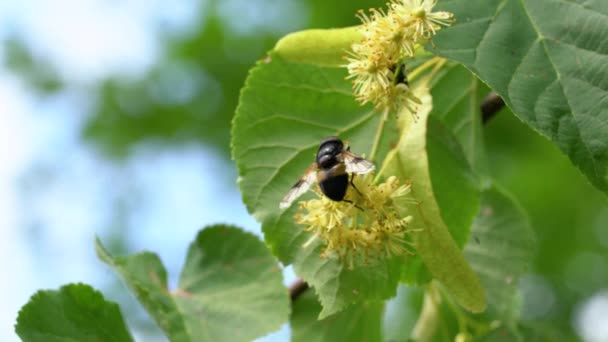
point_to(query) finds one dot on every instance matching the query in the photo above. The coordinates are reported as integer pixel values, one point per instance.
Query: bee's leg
(352, 176)
(353, 203)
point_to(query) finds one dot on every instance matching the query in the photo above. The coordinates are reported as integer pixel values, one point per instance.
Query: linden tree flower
(420, 12)
(372, 226)
(389, 39)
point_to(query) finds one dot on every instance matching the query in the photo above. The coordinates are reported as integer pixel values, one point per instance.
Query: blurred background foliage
(191, 93)
(188, 96)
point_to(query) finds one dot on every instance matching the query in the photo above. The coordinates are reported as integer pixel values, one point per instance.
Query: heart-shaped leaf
(285, 110)
(75, 312)
(230, 288)
(548, 60)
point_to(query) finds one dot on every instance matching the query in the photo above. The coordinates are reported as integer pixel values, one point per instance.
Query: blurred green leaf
(434, 243)
(549, 70)
(229, 290)
(401, 314)
(529, 332)
(359, 322)
(562, 206)
(285, 110)
(453, 181)
(500, 250)
(457, 96)
(36, 72)
(188, 97)
(75, 312)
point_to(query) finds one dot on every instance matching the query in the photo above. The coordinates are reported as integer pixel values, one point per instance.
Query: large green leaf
(285, 110)
(548, 60)
(500, 250)
(76, 312)
(436, 242)
(230, 288)
(360, 322)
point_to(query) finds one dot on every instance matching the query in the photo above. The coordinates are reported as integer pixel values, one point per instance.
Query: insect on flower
(334, 169)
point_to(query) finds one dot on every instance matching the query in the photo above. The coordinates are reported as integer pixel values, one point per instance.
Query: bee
(334, 169)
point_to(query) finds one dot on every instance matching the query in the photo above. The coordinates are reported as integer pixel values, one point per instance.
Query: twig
(490, 106)
(297, 288)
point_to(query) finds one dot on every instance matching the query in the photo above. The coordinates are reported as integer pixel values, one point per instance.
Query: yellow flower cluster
(389, 39)
(370, 227)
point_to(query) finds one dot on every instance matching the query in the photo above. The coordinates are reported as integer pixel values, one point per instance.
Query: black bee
(333, 170)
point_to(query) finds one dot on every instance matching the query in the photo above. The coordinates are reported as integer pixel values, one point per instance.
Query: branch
(297, 288)
(490, 106)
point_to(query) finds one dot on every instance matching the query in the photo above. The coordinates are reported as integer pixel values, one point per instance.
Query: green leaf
(230, 288)
(452, 180)
(434, 244)
(360, 322)
(285, 110)
(75, 312)
(337, 286)
(500, 250)
(547, 59)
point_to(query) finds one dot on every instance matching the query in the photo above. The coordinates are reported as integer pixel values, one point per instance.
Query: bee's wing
(301, 186)
(356, 164)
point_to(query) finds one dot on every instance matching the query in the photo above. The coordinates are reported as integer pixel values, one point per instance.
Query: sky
(86, 40)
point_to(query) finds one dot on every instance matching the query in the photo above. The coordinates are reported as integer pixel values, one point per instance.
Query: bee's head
(328, 150)
(331, 140)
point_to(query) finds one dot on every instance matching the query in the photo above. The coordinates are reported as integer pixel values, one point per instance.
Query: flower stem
(423, 67)
(381, 124)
